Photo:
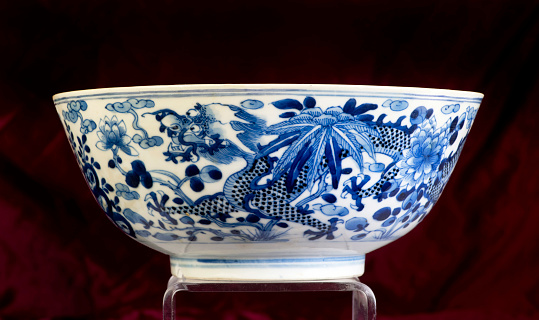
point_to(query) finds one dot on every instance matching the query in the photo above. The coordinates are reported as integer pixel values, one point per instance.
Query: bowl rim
(271, 86)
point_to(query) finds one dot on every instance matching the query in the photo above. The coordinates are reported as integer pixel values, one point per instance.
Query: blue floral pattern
(420, 162)
(112, 136)
(313, 170)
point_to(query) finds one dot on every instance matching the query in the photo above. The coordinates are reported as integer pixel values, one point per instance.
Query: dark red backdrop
(476, 256)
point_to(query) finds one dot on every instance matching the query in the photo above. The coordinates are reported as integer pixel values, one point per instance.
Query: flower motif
(420, 162)
(112, 135)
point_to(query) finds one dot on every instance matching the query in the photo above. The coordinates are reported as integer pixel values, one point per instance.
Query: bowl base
(268, 269)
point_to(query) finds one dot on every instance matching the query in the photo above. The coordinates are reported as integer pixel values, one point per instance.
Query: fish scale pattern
(217, 204)
(274, 201)
(435, 189)
(377, 187)
(391, 142)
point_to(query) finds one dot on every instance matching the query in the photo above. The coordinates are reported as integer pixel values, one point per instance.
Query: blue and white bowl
(267, 182)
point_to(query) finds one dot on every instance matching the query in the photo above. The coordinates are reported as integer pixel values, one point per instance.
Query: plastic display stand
(363, 301)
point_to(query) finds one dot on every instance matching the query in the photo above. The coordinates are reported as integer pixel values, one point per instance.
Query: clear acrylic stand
(363, 301)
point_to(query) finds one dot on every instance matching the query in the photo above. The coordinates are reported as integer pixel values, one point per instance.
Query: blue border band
(250, 262)
(249, 92)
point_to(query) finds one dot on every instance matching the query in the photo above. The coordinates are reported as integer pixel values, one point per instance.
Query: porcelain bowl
(266, 182)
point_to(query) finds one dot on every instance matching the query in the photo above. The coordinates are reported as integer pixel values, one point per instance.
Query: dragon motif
(294, 171)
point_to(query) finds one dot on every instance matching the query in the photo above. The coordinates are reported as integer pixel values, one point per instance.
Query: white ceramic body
(267, 182)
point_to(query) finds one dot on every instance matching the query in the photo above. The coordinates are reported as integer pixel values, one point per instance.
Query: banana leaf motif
(317, 139)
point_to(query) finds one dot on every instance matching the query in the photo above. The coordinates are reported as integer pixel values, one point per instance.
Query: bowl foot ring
(268, 269)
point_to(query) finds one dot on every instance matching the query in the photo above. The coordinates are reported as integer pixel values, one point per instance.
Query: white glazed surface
(367, 164)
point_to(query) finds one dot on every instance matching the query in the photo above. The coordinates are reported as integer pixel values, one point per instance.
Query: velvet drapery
(475, 256)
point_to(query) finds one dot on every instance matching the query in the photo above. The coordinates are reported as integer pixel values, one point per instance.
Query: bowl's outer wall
(266, 171)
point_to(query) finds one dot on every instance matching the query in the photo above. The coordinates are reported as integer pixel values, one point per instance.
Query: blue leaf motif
(364, 108)
(377, 167)
(309, 102)
(178, 200)
(288, 104)
(333, 210)
(359, 236)
(123, 191)
(187, 220)
(348, 139)
(292, 151)
(356, 224)
(333, 157)
(315, 160)
(294, 124)
(349, 106)
(210, 174)
(196, 184)
(321, 133)
(288, 114)
(134, 218)
(122, 187)
(418, 115)
(328, 197)
(382, 214)
(192, 170)
(166, 236)
(143, 233)
(388, 222)
(252, 218)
